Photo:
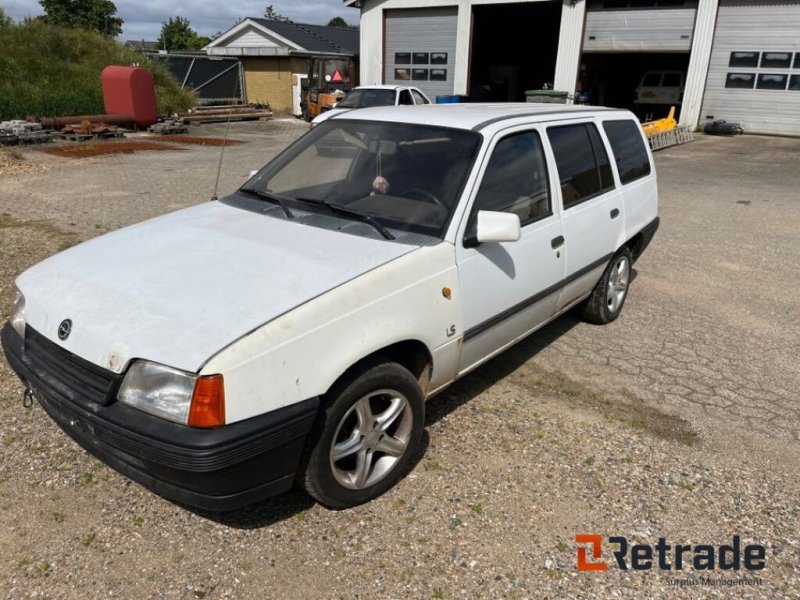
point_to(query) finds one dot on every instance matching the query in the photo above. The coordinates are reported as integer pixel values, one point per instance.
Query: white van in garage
(661, 87)
(292, 331)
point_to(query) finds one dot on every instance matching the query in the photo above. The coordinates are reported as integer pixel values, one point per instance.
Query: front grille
(72, 377)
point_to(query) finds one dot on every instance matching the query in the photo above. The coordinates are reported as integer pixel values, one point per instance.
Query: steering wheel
(424, 195)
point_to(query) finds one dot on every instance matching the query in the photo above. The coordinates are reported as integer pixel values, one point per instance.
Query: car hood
(181, 287)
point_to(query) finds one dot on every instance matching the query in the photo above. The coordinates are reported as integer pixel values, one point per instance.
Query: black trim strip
(510, 312)
(578, 112)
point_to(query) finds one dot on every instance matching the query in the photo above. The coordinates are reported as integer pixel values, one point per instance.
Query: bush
(48, 71)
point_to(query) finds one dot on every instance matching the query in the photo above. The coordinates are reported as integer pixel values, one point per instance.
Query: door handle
(614, 213)
(557, 242)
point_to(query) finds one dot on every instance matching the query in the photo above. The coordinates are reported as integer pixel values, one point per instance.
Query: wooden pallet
(89, 137)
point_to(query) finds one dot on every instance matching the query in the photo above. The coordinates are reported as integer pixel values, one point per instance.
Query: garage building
(734, 60)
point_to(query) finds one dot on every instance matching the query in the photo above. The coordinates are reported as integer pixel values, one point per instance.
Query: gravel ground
(680, 420)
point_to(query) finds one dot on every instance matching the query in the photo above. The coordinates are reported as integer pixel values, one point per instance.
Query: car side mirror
(495, 227)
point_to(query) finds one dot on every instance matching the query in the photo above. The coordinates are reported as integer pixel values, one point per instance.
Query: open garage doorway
(514, 48)
(612, 79)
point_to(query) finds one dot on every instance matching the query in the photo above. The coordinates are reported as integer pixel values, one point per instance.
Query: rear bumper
(213, 469)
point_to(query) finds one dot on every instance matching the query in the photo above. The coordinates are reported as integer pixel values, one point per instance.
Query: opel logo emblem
(64, 329)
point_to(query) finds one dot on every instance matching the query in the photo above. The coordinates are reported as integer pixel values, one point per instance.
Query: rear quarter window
(583, 167)
(629, 150)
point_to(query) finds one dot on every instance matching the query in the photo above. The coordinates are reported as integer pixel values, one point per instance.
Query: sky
(143, 18)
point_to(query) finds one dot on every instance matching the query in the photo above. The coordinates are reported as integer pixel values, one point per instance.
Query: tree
(94, 15)
(337, 22)
(273, 15)
(177, 34)
(5, 20)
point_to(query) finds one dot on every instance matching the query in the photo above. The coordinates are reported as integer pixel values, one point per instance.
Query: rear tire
(365, 437)
(608, 296)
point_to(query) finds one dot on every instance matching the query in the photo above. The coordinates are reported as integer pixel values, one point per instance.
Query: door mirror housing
(496, 227)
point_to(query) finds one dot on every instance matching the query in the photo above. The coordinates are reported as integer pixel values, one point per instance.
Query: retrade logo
(595, 543)
(668, 557)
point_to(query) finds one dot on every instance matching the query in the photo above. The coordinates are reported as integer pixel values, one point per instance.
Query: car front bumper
(213, 469)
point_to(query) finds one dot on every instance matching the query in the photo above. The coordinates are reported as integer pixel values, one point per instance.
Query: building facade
(734, 60)
(275, 56)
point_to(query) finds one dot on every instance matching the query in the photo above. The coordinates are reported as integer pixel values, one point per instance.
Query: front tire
(366, 436)
(608, 296)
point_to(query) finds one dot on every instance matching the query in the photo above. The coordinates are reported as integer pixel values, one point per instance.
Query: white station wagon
(292, 331)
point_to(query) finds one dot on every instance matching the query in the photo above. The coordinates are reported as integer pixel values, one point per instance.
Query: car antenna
(214, 196)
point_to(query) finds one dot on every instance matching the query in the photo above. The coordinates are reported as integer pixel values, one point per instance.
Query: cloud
(143, 18)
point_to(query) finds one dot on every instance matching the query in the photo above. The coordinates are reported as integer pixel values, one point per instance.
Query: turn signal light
(208, 402)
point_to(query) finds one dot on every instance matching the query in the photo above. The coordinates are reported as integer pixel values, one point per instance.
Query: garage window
(516, 179)
(629, 150)
(794, 83)
(743, 59)
(582, 162)
(776, 60)
(771, 81)
(796, 64)
(740, 80)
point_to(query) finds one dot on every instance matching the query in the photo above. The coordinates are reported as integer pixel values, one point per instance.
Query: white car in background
(292, 331)
(367, 96)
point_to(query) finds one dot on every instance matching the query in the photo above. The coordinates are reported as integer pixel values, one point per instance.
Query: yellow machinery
(665, 132)
(329, 80)
(664, 125)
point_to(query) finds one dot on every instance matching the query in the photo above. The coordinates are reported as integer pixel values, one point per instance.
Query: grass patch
(48, 71)
(88, 538)
(617, 408)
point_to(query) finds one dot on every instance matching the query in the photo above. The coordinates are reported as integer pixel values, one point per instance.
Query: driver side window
(516, 179)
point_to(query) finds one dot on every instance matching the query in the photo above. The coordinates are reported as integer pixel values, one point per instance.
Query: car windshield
(365, 98)
(399, 176)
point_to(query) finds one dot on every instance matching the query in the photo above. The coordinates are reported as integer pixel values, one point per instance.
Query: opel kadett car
(292, 331)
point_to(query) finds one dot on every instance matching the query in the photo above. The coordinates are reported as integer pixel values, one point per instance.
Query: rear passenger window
(582, 162)
(628, 148)
(405, 98)
(671, 80)
(516, 179)
(652, 80)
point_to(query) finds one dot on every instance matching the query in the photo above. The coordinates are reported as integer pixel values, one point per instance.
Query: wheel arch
(411, 354)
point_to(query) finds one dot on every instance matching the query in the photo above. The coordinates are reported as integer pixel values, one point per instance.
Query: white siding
(251, 38)
(698, 62)
(427, 31)
(639, 30)
(758, 27)
(569, 45)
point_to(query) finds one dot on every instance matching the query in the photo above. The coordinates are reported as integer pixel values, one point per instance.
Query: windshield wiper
(270, 197)
(351, 212)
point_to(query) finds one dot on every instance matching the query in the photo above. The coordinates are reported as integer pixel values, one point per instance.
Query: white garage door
(754, 73)
(421, 49)
(634, 26)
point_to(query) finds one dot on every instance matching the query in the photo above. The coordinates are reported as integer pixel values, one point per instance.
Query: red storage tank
(130, 91)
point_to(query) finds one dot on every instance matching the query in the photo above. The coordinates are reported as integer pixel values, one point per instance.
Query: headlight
(18, 313)
(174, 395)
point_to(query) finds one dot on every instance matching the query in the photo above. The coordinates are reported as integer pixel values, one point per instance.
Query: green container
(547, 96)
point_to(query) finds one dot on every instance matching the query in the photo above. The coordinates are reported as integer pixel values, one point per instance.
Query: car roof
(380, 87)
(475, 116)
